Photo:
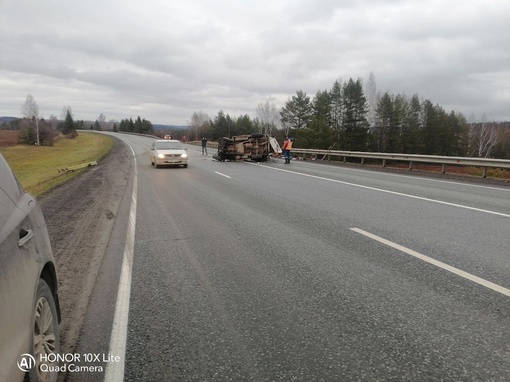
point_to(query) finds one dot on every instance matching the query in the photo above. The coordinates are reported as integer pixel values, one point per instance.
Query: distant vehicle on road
(168, 152)
(29, 306)
(255, 147)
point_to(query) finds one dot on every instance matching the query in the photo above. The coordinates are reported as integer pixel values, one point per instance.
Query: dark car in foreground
(29, 306)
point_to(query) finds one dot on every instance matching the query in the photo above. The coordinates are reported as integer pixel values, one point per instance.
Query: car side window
(10, 192)
(8, 183)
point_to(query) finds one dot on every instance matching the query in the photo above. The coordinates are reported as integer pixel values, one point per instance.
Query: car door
(18, 273)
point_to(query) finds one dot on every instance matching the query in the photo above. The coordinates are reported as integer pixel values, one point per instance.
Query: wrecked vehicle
(255, 147)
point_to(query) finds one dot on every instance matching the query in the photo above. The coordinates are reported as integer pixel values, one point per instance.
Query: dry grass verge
(37, 167)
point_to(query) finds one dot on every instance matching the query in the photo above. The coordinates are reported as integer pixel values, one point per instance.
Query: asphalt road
(306, 272)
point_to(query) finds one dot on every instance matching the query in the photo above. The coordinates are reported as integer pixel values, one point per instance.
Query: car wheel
(45, 334)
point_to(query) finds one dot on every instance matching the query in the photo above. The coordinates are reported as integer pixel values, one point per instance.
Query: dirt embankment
(80, 217)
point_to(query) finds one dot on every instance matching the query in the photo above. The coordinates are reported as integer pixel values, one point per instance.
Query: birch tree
(484, 138)
(371, 94)
(268, 117)
(199, 124)
(30, 110)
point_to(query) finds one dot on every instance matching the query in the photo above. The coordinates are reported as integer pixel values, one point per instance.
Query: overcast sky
(162, 60)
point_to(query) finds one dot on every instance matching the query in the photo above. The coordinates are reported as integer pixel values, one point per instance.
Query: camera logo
(26, 362)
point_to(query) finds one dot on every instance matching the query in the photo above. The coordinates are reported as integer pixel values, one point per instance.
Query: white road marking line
(115, 370)
(449, 268)
(426, 179)
(393, 192)
(219, 173)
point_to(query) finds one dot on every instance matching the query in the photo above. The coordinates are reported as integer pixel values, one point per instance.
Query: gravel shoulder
(80, 216)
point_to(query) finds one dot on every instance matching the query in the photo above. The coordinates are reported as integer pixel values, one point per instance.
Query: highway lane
(250, 272)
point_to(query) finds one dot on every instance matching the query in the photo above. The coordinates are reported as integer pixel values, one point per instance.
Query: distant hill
(169, 127)
(7, 119)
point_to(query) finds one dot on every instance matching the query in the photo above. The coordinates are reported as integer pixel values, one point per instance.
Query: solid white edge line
(115, 370)
(393, 192)
(219, 173)
(449, 268)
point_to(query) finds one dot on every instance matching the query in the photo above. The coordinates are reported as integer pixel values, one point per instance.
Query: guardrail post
(362, 161)
(410, 165)
(384, 162)
(484, 175)
(443, 169)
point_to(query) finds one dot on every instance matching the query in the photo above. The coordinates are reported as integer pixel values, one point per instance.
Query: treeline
(354, 117)
(139, 126)
(222, 125)
(43, 131)
(346, 118)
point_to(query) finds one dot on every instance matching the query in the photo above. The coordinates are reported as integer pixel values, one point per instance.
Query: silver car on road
(166, 152)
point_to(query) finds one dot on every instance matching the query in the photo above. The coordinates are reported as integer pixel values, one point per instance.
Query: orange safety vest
(287, 145)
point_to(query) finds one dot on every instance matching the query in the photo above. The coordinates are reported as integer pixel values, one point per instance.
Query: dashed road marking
(219, 173)
(437, 263)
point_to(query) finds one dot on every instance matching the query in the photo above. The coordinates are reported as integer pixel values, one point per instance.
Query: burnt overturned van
(255, 147)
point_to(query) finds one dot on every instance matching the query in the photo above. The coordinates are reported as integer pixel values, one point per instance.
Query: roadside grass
(37, 167)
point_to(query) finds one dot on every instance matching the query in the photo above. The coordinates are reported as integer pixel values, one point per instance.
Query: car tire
(45, 333)
(257, 135)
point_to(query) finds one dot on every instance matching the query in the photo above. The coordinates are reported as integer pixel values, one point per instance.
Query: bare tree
(268, 116)
(199, 123)
(371, 94)
(102, 120)
(53, 121)
(30, 110)
(483, 137)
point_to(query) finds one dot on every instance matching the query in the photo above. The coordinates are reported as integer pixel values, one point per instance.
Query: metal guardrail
(484, 163)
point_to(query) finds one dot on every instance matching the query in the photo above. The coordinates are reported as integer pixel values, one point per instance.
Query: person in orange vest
(287, 146)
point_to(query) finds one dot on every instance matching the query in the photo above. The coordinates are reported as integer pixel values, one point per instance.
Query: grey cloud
(169, 59)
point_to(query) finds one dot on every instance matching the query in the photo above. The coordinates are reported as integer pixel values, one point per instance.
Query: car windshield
(168, 146)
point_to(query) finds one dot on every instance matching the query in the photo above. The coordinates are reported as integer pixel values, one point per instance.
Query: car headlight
(184, 155)
(161, 156)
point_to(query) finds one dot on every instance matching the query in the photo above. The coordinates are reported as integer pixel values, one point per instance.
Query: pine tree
(354, 124)
(296, 112)
(383, 117)
(318, 134)
(336, 108)
(396, 122)
(68, 127)
(412, 142)
(459, 127)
